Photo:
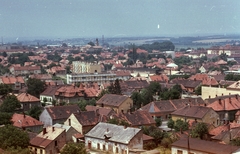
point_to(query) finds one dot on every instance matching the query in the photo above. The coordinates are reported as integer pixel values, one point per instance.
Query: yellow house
(197, 113)
(118, 103)
(212, 92)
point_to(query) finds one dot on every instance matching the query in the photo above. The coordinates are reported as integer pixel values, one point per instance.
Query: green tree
(5, 118)
(170, 123)
(115, 88)
(137, 99)
(74, 148)
(35, 112)
(180, 125)
(5, 89)
(158, 122)
(91, 43)
(17, 150)
(4, 54)
(154, 88)
(11, 136)
(35, 86)
(10, 104)
(199, 130)
(103, 92)
(198, 91)
(147, 96)
(235, 141)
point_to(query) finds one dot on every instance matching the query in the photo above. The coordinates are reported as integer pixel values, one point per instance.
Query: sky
(118, 18)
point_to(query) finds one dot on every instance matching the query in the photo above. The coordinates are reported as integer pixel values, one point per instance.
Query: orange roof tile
(21, 120)
(25, 97)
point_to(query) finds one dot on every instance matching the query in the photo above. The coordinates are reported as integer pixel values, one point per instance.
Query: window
(41, 151)
(104, 147)
(179, 152)
(55, 143)
(98, 146)
(116, 149)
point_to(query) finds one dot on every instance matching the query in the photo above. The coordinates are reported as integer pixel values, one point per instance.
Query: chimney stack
(236, 96)
(44, 131)
(219, 100)
(53, 129)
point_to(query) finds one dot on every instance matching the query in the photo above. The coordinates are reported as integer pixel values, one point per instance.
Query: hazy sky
(94, 18)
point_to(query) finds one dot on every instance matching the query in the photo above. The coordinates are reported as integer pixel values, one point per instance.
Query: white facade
(81, 67)
(91, 77)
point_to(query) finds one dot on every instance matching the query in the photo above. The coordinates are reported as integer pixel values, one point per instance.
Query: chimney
(236, 96)
(125, 126)
(44, 131)
(230, 100)
(219, 100)
(97, 112)
(209, 96)
(222, 94)
(216, 95)
(24, 116)
(53, 129)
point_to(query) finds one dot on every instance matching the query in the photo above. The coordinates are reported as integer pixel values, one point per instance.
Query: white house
(114, 138)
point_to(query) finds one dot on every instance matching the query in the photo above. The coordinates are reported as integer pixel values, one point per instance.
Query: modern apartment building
(83, 67)
(91, 77)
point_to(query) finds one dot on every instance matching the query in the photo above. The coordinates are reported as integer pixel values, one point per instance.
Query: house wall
(137, 141)
(70, 133)
(51, 148)
(74, 123)
(28, 105)
(45, 118)
(110, 146)
(49, 98)
(212, 117)
(125, 106)
(185, 151)
(213, 91)
(35, 129)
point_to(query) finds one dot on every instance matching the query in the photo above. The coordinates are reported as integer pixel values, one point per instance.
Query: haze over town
(117, 18)
(119, 76)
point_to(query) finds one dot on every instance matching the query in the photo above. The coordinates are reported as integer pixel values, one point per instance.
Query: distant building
(83, 67)
(91, 77)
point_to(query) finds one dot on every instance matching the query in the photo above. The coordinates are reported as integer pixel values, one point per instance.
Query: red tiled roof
(25, 97)
(224, 103)
(112, 100)
(40, 142)
(12, 80)
(62, 112)
(20, 120)
(22, 68)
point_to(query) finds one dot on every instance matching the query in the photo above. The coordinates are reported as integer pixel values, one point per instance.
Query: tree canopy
(11, 136)
(74, 148)
(199, 130)
(180, 125)
(35, 86)
(5, 89)
(161, 46)
(5, 118)
(115, 87)
(10, 104)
